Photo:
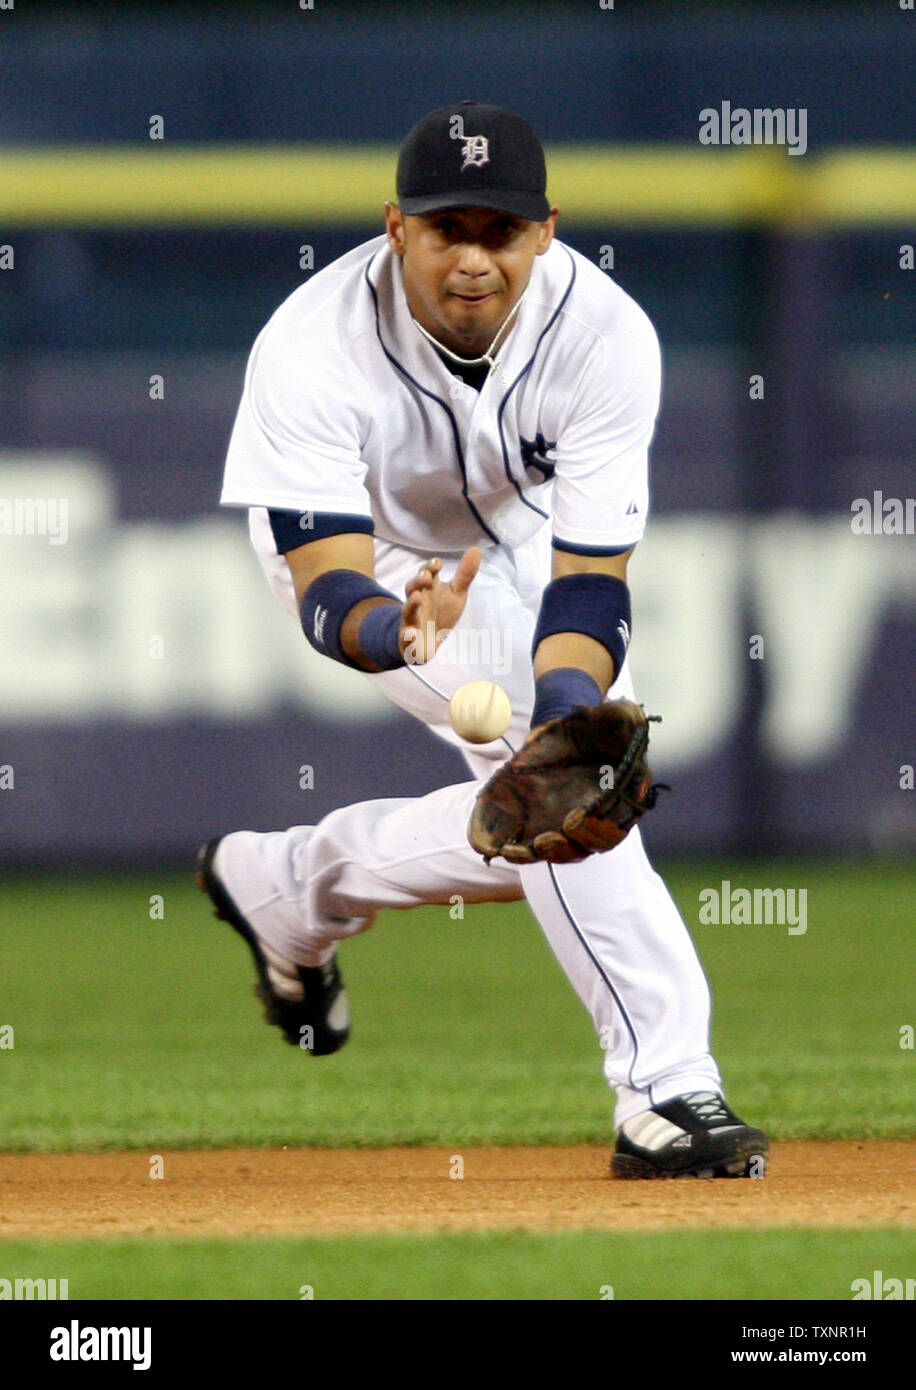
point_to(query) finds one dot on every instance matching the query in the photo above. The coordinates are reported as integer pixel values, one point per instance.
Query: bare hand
(432, 608)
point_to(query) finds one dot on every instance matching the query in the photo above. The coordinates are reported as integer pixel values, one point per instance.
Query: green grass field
(581, 1265)
(131, 1031)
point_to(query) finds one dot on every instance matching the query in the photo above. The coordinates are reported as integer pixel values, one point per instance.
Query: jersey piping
(524, 371)
(456, 434)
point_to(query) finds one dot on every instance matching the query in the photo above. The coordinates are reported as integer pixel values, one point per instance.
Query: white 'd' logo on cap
(476, 150)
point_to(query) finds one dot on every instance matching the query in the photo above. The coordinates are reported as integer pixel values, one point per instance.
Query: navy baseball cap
(471, 155)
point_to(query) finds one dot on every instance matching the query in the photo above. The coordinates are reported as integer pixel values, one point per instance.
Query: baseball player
(443, 446)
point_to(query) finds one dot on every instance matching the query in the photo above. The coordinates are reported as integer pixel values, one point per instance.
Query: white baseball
(480, 711)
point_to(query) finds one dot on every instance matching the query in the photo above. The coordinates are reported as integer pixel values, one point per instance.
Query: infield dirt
(340, 1191)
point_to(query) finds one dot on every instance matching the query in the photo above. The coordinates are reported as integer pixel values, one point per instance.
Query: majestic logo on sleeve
(623, 629)
(321, 615)
(476, 150)
(534, 457)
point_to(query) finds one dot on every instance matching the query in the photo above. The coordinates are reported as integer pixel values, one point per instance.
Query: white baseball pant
(610, 920)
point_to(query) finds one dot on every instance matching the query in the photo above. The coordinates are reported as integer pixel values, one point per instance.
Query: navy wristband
(378, 636)
(558, 692)
(325, 605)
(597, 605)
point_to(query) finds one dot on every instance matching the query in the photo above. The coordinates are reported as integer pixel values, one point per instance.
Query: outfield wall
(150, 691)
(154, 692)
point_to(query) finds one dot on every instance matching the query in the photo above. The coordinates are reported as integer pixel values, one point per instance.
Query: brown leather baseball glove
(575, 787)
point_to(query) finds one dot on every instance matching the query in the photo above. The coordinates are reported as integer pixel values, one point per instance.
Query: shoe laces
(709, 1108)
(283, 976)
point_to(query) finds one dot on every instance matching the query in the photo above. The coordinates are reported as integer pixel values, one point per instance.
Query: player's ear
(546, 231)
(394, 225)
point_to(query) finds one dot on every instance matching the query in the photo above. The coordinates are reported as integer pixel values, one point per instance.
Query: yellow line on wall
(311, 185)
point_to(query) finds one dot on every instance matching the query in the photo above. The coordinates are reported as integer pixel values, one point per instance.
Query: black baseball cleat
(309, 1004)
(694, 1136)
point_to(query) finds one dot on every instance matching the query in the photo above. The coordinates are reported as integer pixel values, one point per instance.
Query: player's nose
(474, 259)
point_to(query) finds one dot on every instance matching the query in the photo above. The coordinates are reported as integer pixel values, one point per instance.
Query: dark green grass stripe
(684, 1265)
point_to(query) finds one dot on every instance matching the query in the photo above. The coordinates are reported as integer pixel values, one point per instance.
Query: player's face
(465, 268)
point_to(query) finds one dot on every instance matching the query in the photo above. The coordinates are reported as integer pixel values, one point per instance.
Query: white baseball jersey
(348, 409)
